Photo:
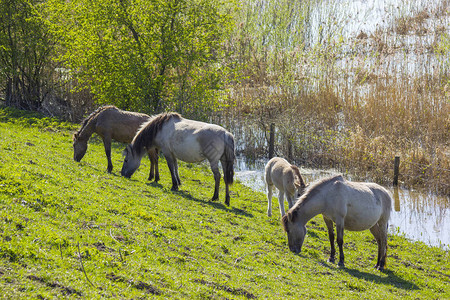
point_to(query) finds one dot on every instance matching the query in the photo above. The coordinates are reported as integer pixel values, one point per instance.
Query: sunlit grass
(64, 224)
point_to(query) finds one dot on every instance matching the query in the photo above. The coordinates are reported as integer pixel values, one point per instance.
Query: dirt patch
(116, 278)
(234, 291)
(66, 290)
(146, 287)
(101, 247)
(140, 285)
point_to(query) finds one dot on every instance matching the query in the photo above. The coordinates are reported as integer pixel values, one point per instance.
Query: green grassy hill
(71, 230)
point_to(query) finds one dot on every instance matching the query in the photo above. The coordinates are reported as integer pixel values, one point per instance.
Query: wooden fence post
(272, 140)
(396, 168)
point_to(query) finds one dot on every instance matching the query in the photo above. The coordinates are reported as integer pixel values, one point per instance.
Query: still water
(417, 216)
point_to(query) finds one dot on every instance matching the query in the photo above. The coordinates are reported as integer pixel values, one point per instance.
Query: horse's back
(358, 204)
(279, 172)
(121, 125)
(192, 141)
(277, 165)
(384, 197)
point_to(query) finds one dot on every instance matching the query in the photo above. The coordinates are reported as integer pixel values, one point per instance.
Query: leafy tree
(145, 55)
(25, 53)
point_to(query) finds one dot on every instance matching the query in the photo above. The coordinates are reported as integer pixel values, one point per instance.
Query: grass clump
(63, 223)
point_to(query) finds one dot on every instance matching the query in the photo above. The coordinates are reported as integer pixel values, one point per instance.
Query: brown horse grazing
(187, 140)
(287, 179)
(112, 123)
(354, 206)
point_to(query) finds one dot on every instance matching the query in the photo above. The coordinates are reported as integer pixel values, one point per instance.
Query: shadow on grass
(188, 196)
(83, 165)
(154, 184)
(390, 279)
(217, 205)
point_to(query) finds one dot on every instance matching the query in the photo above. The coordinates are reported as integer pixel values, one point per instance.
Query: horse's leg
(340, 242)
(384, 246)
(176, 171)
(375, 230)
(107, 145)
(225, 166)
(216, 172)
(155, 161)
(281, 202)
(290, 199)
(154, 172)
(269, 199)
(379, 231)
(330, 228)
(227, 194)
(171, 163)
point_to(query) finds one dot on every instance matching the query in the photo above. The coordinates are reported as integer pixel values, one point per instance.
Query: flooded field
(417, 216)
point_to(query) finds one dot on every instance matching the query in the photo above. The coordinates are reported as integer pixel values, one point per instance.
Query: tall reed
(348, 101)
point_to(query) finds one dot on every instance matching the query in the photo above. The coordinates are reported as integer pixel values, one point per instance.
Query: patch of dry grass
(352, 106)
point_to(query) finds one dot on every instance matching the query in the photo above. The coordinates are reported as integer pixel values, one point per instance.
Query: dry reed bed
(352, 106)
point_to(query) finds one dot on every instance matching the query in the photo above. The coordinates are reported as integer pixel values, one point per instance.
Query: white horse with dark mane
(187, 140)
(287, 179)
(354, 206)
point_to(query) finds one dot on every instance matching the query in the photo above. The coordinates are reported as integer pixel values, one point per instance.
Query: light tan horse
(187, 140)
(353, 206)
(111, 123)
(287, 179)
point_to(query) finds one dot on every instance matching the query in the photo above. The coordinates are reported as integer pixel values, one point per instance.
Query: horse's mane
(297, 172)
(312, 190)
(89, 118)
(148, 130)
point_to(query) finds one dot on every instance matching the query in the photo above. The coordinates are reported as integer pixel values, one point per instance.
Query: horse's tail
(228, 158)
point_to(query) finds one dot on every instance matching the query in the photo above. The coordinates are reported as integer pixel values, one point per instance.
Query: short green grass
(71, 230)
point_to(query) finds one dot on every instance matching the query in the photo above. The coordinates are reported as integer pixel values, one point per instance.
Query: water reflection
(418, 216)
(421, 217)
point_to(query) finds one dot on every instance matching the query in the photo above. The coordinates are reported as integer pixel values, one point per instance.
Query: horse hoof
(331, 260)
(341, 264)
(174, 188)
(380, 268)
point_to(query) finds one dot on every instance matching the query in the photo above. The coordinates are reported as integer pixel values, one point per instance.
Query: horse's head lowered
(300, 190)
(79, 147)
(296, 231)
(299, 183)
(131, 162)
